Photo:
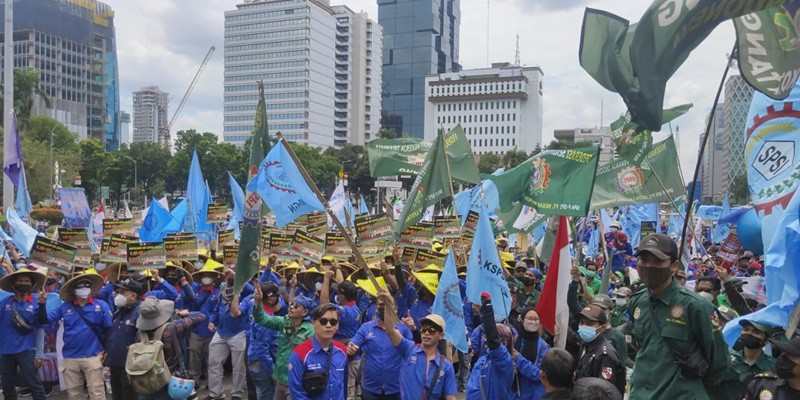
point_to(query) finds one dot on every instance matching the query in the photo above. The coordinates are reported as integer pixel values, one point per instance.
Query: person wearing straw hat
(86, 320)
(228, 324)
(206, 289)
(422, 305)
(181, 280)
(18, 331)
(121, 335)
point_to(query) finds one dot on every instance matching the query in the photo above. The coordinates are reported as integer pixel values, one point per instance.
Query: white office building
(290, 46)
(597, 136)
(357, 107)
(500, 108)
(150, 116)
(125, 128)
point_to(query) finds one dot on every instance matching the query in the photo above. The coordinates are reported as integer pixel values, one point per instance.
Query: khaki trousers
(78, 371)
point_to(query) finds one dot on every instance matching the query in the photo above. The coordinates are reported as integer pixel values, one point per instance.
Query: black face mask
(784, 367)
(528, 281)
(22, 287)
(172, 279)
(380, 311)
(750, 341)
(51, 281)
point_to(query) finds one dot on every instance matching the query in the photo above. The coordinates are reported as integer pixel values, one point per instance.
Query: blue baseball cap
(304, 301)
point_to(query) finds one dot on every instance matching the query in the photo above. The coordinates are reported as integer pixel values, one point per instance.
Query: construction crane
(191, 87)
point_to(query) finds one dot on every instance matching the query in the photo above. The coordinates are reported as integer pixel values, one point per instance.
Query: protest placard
(217, 213)
(78, 238)
(225, 238)
(372, 228)
(408, 256)
(143, 256)
(181, 248)
(117, 248)
(425, 258)
(49, 253)
(121, 226)
(446, 227)
(307, 247)
(280, 244)
(229, 254)
(336, 247)
(729, 251)
(418, 236)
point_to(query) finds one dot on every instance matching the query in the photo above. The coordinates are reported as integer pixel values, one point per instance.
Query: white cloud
(163, 42)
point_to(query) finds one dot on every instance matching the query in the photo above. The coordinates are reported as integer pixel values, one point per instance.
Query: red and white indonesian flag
(552, 307)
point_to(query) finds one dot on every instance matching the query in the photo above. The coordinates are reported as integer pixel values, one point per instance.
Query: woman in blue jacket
(529, 350)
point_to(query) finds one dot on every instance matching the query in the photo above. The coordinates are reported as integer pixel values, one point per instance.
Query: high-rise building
(738, 95)
(712, 168)
(125, 136)
(357, 106)
(150, 116)
(71, 43)
(421, 37)
(290, 45)
(500, 108)
(596, 136)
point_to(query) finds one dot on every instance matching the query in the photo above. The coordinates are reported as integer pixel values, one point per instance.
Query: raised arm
(388, 308)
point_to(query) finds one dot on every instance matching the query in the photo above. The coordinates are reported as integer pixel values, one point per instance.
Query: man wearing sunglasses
(425, 374)
(320, 354)
(293, 329)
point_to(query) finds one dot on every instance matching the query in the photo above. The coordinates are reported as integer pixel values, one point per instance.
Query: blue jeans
(8, 371)
(265, 386)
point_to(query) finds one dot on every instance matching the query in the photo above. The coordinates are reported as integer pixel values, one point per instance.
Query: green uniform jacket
(732, 387)
(618, 317)
(288, 339)
(687, 320)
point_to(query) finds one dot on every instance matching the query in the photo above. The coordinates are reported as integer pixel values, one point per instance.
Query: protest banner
(470, 225)
(446, 227)
(372, 251)
(229, 254)
(52, 254)
(280, 244)
(318, 228)
(371, 228)
(316, 218)
(408, 256)
(75, 207)
(118, 248)
(418, 236)
(729, 251)
(217, 213)
(143, 256)
(337, 247)
(181, 248)
(307, 247)
(225, 238)
(78, 238)
(425, 258)
(121, 226)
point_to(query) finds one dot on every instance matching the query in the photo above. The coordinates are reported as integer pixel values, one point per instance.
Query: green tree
(514, 157)
(355, 164)
(220, 159)
(385, 133)
(26, 87)
(118, 171)
(566, 145)
(40, 129)
(38, 167)
(322, 168)
(150, 167)
(739, 190)
(489, 163)
(93, 162)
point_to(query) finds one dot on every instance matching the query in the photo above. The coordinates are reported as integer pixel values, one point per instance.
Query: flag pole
(697, 165)
(359, 258)
(607, 267)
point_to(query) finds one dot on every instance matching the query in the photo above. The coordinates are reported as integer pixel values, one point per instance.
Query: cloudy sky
(162, 42)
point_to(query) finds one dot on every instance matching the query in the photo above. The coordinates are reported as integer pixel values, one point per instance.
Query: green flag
(767, 45)
(620, 183)
(392, 157)
(554, 182)
(633, 143)
(460, 156)
(431, 185)
(636, 60)
(248, 258)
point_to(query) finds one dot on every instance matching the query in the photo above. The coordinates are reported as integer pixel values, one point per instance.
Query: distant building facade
(125, 136)
(500, 108)
(713, 174)
(150, 116)
(72, 44)
(738, 95)
(598, 136)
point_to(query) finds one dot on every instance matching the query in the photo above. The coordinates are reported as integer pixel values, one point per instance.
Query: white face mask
(318, 286)
(621, 302)
(207, 281)
(83, 293)
(120, 300)
(100, 267)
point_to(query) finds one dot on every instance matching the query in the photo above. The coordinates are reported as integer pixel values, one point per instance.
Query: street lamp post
(8, 93)
(52, 171)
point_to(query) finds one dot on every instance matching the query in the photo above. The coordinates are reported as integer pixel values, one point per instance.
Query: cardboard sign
(428, 257)
(408, 256)
(280, 244)
(181, 248)
(418, 236)
(470, 225)
(78, 238)
(217, 213)
(372, 228)
(120, 226)
(143, 256)
(316, 218)
(372, 251)
(446, 227)
(336, 247)
(308, 247)
(53, 254)
(318, 229)
(118, 248)
(729, 251)
(229, 255)
(225, 238)
(647, 228)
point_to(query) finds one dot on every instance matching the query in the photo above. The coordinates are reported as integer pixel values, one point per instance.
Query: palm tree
(26, 85)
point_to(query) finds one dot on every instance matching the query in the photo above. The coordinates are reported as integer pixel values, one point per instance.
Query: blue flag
(23, 203)
(633, 224)
(593, 246)
(178, 217)
(649, 212)
(722, 230)
(155, 223)
(282, 187)
(450, 306)
(238, 199)
(485, 273)
(12, 154)
(197, 194)
(782, 274)
(472, 199)
(606, 220)
(363, 206)
(710, 212)
(22, 235)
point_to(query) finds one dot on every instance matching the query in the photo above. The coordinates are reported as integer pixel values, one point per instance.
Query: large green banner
(621, 183)
(392, 157)
(460, 157)
(554, 182)
(431, 186)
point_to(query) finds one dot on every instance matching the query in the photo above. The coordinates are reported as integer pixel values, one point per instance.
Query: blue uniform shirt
(417, 374)
(12, 341)
(205, 301)
(491, 376)
(262, 341)
(530, 384)
(310, 357)
(79, 339)
(185, 296)
(420, 309)
(380, 360)
(163, 291)
(226, 324)
(348, 321)
(121, 335)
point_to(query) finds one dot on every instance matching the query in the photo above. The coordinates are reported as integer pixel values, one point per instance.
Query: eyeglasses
(428, 330)
(326, 321)
(295, 305)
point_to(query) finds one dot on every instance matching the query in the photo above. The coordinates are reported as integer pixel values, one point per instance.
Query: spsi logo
(540, 175)
(774, 158)
(630, 180)
(276, 177)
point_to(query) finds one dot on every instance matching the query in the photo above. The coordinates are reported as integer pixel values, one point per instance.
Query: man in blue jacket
(229, 325)
(121, 335)
(18, 332)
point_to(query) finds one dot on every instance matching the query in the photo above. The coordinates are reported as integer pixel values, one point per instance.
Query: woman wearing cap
(86, 320)
(18, 332)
